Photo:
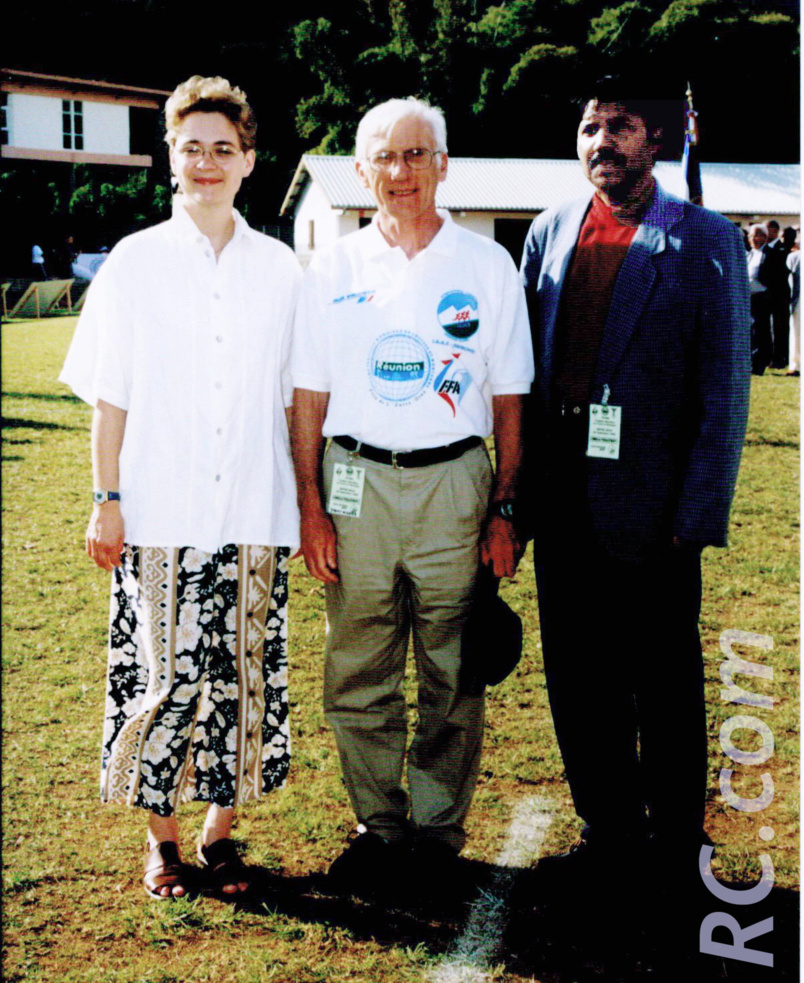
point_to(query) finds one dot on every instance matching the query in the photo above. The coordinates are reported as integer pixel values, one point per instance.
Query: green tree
(507, 74)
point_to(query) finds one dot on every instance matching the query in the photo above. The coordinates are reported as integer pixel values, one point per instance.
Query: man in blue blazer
(639, 310)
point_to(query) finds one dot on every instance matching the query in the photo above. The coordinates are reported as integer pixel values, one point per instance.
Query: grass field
(74, 909)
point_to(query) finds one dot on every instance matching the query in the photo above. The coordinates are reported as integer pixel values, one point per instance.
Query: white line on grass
(475, 949)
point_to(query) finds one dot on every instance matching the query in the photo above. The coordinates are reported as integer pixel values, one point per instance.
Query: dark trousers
(780, 327)
(624, 673)
(761, 333)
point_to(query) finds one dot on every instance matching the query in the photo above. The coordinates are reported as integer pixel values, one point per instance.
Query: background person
(794, 283)
(411, 346)
(182, 348)
(778, 294)
(38, 263)
(639, 308)
(760, 278)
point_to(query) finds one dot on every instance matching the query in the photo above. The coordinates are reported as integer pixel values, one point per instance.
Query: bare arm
(104, 539)
(318, 539)
(500, 547)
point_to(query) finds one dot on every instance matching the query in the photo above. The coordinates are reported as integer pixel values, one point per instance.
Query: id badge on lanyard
(346, 493)
(605, 422)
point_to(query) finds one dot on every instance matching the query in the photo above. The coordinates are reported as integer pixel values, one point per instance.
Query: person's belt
(409, 459)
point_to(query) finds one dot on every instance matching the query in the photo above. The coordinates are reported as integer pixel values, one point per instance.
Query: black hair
(637, 95)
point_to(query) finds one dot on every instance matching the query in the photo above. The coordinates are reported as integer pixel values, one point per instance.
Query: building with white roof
(499, 198)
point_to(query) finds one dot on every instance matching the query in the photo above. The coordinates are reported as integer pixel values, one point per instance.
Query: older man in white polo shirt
(411, 346)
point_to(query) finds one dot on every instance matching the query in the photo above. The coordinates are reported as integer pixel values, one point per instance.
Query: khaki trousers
(407, 566)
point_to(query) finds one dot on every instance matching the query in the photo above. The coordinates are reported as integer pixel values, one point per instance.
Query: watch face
(505, 509)
(99, 497)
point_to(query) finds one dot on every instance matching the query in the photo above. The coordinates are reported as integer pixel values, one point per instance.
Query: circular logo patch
(399, 366)
(458, 314)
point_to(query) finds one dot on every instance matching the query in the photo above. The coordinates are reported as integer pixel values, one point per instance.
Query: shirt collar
(375, 245)
(445, 240)
(185, 227)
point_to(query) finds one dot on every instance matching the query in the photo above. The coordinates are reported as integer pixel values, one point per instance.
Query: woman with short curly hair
(182, 350)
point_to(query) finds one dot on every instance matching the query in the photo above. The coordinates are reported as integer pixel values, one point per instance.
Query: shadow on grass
(506, 915)
(770, 442)
(15, 423)
(611, 935)
(50, 397)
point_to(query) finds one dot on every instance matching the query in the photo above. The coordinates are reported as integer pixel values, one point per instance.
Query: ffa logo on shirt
(458, 314)
(452, 381)
(400, 367)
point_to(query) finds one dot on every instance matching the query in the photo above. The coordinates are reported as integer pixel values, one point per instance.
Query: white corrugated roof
(741, 189)
(531, 185)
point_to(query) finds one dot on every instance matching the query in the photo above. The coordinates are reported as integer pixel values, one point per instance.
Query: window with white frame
(3, 119)
(72, 124)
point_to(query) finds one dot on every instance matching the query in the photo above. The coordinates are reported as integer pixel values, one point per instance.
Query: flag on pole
(690, 165)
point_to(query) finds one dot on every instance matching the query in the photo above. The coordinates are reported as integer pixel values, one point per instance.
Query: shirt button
(217, 296)
(217, 477)
(219, 431)
(200, 239)
(219, 385)
(576, 410)
(207, 252)
(219, 337)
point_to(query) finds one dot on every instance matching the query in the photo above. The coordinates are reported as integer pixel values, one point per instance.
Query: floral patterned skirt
(196, 697)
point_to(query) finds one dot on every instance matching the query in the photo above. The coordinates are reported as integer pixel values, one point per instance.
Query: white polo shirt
(411, 351)
(197, 353)
(755, 259)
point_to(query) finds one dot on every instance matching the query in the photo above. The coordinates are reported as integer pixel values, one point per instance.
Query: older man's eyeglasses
(221, 155)
(416, 158)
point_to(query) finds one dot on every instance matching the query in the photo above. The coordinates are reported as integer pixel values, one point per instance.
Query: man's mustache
(607, 157)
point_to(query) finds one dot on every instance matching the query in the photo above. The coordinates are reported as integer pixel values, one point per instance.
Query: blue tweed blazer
(675, 354)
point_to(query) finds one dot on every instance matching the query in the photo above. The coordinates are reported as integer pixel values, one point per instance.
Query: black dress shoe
(437, 872)
(370, 864)
(613, 864)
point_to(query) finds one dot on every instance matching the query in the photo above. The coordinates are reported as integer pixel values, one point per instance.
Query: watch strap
(100, 495)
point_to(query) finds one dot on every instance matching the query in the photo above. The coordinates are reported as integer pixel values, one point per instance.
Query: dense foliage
(506, 74)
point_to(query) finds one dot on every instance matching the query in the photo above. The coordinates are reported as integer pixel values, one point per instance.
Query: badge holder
(605, 423)
(346, 493)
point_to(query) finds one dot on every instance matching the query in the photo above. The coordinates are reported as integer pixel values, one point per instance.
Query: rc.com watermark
(741, 929)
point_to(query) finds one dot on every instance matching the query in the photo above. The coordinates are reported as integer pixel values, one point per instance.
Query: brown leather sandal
(163, 868)
(224, 866)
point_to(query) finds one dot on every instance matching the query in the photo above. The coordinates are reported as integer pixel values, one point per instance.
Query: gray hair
(758, 225)
(379, 121)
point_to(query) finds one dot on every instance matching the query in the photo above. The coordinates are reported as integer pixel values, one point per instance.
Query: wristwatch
(101, 496)
(505, 508)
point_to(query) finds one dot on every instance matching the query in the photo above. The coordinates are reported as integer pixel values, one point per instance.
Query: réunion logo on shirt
(400, 367)
(458, 314)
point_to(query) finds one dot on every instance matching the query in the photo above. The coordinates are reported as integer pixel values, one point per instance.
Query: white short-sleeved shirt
(197, 353)
(411, 351)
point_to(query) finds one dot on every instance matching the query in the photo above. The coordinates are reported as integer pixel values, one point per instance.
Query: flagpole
(690, 164)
